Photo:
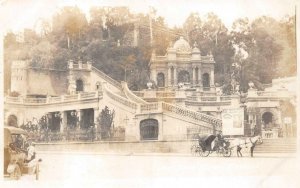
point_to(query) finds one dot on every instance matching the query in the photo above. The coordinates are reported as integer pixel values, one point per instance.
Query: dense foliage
(262, 49)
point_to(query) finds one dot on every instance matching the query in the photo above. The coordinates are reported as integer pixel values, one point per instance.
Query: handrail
(120, 99)
(208, 103)
(150, 107)
(50, 100)
(107, 78)
(191, 114)
(130, 95)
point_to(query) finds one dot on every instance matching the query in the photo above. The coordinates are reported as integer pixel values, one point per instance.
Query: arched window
(160, 80)
(149, 129)
(267, 119)
(205, 80)
(79, 85)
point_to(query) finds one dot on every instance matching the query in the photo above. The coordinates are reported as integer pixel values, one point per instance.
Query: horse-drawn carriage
(16, 161)
(208, 144)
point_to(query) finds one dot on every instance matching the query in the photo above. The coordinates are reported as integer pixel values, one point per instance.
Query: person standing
(30, 152)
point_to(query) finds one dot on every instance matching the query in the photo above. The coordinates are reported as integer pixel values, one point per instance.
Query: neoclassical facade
(183, 65)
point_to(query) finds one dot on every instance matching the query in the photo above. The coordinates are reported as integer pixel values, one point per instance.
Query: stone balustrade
(164, 94)
(208, 103)
(130, 95)
(50, 100)
(208, 98)
(107, 78)
(150, 107)
(191, 114)
(139, 93)
(120, 99)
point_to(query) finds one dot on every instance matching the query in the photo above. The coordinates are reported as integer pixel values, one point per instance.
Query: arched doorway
(12, 120)
(184, 77)
(160, 80)
(267, 119)
(149, 129)
(79, 85)
(205, 80)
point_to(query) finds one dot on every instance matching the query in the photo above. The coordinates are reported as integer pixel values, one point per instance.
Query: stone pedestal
(150, 94)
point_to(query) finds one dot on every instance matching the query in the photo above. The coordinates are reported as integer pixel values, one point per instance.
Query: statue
(251, 85)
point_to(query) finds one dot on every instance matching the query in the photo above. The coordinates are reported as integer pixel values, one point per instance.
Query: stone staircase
(281, 145)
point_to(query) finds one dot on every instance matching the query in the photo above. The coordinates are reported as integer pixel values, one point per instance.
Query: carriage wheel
(195, 150)
(204, 153)
(16, 174)
(226, 152)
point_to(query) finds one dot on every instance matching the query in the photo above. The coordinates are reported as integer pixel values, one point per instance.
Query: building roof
(182, 45)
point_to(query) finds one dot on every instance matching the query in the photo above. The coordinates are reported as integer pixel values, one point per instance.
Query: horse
(248, 142)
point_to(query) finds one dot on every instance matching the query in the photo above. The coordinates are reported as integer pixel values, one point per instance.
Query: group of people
(21, 145)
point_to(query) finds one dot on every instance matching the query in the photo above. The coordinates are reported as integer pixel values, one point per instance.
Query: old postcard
(145, 93)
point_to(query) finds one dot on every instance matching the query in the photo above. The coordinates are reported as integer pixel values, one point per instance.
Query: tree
(71, 23)
(105, 120)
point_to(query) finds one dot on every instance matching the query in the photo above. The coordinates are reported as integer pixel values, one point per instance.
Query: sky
(15, 15)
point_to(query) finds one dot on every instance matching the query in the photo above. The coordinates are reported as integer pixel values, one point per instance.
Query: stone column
(79, 114)
(212, 77)
(80, 64)
(169, 76)
(194, 76)
(96, 114)
(175, 76)
(154, 76)
(199, 77)
(63, 123)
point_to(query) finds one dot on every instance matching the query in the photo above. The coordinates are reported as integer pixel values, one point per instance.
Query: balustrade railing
(71, 97)
(120, 99)
(139, 93)
(55, 99)
(208, 98)
(208, 103)
(225, 98)
(129, 94)
(190, 114)
(107, 78)
(87, 95)
(149, 107)
(49, 100)
(164, 94)
(35, 100)
(14, 99)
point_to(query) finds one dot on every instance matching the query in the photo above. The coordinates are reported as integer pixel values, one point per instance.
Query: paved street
(155, 170)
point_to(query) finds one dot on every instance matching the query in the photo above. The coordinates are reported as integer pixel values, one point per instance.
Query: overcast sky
(18, 14)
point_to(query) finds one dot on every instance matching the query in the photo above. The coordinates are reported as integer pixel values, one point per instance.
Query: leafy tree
(105, 120)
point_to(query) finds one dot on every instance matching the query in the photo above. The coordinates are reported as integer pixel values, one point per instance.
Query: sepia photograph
(140, 93)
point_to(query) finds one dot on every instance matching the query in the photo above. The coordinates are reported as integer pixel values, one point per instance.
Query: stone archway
(79, 85)
(267, 119)
(149, 129)
(12, 120)
(184, 77)
(160, 80)
(205, 80)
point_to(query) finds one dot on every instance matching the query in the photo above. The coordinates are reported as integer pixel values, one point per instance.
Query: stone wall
(47, 82)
